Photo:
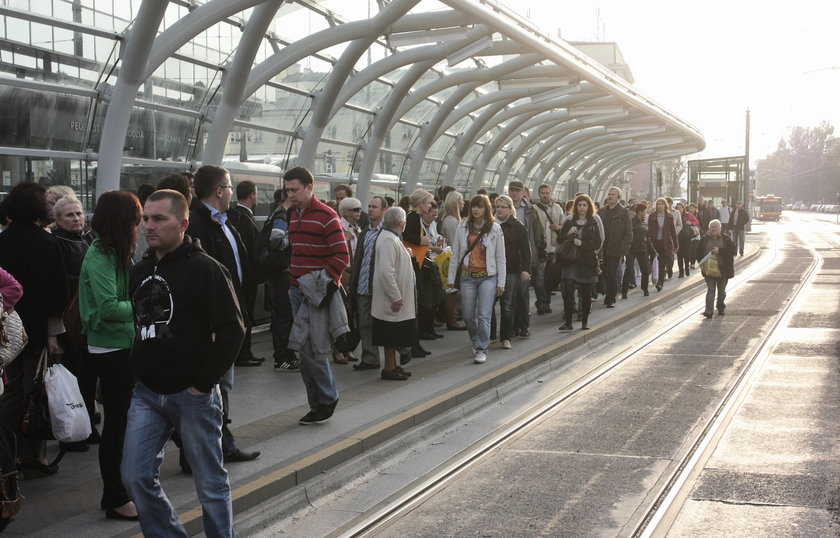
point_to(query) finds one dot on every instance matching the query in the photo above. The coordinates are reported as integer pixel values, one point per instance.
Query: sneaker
(480, 357)
(288, 365)
(313, 417)
(505, 344)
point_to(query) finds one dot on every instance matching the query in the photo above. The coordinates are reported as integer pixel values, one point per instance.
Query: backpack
(272, 254)
(9, 480)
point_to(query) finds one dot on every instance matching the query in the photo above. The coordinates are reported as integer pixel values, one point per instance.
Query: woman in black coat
(581, 272)
(663, 235)
(33, 257)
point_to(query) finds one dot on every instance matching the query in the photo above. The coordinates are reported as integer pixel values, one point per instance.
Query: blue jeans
(712, 285)
(477, 298)
(739, 237)
(317, 375)
(538, 281)
(507, 304)
(198, 419)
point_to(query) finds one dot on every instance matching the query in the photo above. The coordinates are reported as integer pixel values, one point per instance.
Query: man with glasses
(220, 239)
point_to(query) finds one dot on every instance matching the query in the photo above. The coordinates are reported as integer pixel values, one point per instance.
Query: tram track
(422, 489)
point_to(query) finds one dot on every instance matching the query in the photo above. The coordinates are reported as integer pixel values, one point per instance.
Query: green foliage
(806, 167)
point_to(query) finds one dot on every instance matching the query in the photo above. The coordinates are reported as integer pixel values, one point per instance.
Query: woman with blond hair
(450, 218)
(663, 235)
(478, 253)
(415, 238)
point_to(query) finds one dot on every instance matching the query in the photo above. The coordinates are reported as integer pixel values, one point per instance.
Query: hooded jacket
(189, 324)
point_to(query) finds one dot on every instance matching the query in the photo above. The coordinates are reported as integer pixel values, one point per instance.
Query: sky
(708, 62)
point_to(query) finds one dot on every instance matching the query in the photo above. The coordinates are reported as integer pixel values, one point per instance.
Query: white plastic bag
(68, 415)
(654, 270)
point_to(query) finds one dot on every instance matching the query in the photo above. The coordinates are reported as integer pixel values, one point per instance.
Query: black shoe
(399, 369)
(659, 287)
(547, 309)
(645, 292)
(288, 365)
(687, 273)
(584, 326)
(313, 417)
(42, 468)
(365, 366)
(610, 305)
(78, 446)
(523, 333)
(427, 336)
(186, 469)
(456, 327)
(566, 327)
(406, 358)
(393, 375)
(680, 275)
(93, 438)
(721, 311)
(247, 362)
(707, 314)
(110, 513)
(632, 286)
(436, 334)
(238, 455)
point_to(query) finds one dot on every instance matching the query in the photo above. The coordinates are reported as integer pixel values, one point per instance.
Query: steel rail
(659, 516)
(425, 487)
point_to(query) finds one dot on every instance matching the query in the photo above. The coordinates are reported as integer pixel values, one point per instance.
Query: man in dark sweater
(618, 235)
(180, 354)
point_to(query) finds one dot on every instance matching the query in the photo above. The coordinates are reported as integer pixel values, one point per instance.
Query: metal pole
(746, 188)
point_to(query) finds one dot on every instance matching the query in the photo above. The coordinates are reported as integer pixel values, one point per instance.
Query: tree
(806, 166)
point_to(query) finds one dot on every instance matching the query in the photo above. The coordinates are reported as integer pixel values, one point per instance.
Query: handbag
(72, 319)
(36, 417)
(457, 284)
(13, 337)
(567, 252)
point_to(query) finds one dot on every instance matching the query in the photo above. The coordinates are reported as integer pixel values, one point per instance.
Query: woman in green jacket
(108, 321)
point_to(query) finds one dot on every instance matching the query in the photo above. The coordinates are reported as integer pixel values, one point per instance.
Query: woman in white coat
(393, 303)
(478, 252)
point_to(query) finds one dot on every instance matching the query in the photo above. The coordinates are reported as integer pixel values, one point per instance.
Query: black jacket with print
(189, 324)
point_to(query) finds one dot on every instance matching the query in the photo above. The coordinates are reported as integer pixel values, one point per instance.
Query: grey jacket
(317, 323)
(536, 236)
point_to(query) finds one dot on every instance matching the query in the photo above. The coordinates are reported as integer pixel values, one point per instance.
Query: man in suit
(243, 220)
(219, 238)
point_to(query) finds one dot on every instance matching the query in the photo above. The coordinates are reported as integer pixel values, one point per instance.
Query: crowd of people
(165, 282)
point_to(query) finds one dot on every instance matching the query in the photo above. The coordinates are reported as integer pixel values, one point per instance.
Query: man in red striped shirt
(318, 242)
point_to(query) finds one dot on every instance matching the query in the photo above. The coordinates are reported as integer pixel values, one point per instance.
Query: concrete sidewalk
(266, 405)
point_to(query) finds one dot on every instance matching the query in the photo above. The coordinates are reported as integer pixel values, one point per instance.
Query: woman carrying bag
(108, 320)
(580, 264)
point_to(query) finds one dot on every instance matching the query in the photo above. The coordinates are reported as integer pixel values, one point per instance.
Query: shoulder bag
(460, 270)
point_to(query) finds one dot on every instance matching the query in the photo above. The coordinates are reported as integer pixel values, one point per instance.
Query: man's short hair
(614, 188)
(176, 182)
(207, 178)
(481, 191)
(301, 174)
(346, 188)
(383, 203)
(245, 189)
(545, 186)
(178, 203)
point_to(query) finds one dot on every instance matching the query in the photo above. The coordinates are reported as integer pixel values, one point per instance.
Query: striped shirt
(318, 241)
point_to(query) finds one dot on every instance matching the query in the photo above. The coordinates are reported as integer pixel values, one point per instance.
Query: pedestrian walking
(718, 250)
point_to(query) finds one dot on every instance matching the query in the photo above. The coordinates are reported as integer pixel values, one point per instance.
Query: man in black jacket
(242, 217)
(618, 234)
(220, 240)
(186, 340)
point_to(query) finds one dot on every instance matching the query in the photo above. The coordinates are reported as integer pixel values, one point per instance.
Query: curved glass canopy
(386, 95)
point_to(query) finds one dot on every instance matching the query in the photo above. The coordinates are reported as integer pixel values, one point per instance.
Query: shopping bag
(654, 269)
(709, 265)
(36, 417)
(68, 415)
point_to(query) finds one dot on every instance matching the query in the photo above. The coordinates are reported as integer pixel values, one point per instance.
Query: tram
(768, 207)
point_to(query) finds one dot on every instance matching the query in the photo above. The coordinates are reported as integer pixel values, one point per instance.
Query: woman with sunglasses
(478, 253)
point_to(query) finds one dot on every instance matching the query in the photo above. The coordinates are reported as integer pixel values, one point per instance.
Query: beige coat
(393, 279)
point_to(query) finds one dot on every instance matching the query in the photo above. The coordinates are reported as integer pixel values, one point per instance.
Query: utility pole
(746, 190)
